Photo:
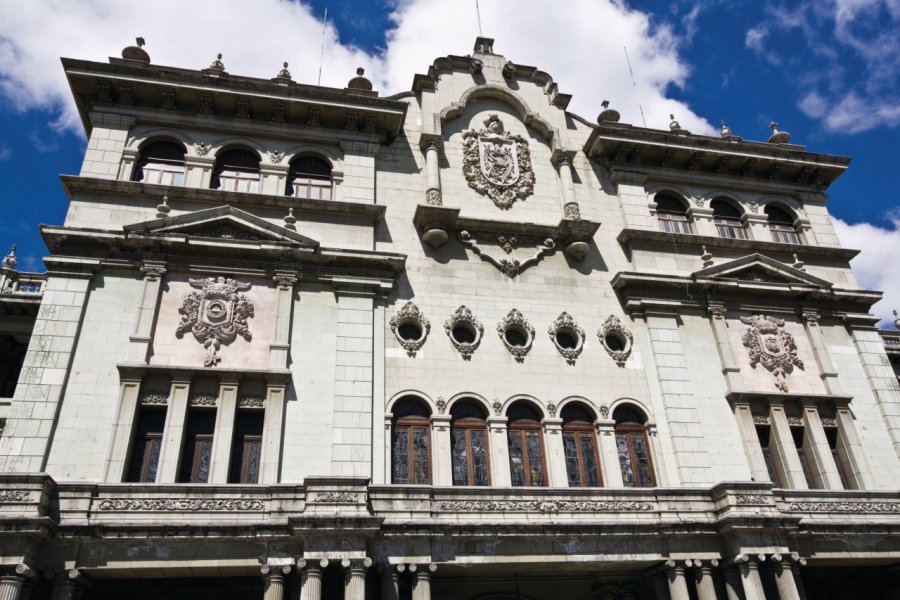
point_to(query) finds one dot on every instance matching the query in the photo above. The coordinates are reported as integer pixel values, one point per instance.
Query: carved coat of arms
(497, 163)
(771, 346)
(216, 314)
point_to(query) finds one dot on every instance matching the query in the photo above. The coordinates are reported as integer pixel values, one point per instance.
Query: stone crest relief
(771, 346)
(216, 314)
(497, 163)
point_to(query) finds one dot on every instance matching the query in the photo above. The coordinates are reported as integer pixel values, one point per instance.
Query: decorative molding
(498, 407)
(336, 497)
(572, 211)
(770, 345)
(544, 506)
(760, 420)
(551, 409)
(154, 397)
(180, 505)
(515, 319)
(14, 496)
(200, 399)
(511, 266)
(829, 422)
(433, 197)
(463, 316)
(745, 499)
(795, 421)
(566, 323)
(216, 314)
(276, 157)
(252, 401)
(201, 148)
(224, 231)
(604, 411)
(497, 163)
(845, 507)
(410, 313)
(613, 327)
(441, 405)
(153, 272)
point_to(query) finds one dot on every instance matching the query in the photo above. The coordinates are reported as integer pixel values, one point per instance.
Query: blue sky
(828, 71)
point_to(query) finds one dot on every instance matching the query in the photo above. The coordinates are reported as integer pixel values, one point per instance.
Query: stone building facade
(455, 343)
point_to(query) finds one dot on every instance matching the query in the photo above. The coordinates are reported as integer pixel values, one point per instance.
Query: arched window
(728, 220)
(309, 177)
(411, 443)
(236, 171)
(672, 214)
(781, 224)
(469, 444)
(580, 447)
(526, 446)
(161, 163)
(633, 448)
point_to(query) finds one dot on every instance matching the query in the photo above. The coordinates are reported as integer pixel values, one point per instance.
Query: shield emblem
(771, 344)
(499, 160)
(216, 312)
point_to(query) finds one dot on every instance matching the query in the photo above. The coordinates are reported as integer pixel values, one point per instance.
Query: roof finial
(290, 220)
(136, 53)
(674, 125)
(778, 137)
(284, 74)
(10, 260)
(162, 209)
(608, 115)
(140, 41)
(217, 64)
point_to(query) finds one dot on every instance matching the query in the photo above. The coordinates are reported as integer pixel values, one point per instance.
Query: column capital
(23, 570)
(275, 570)
(430, 141)
(716, 311)
(153, 270)
(563, 157)
(285, 280)
(810, 317)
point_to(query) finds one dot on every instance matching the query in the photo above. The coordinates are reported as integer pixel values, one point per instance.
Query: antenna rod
(478, 15)
(322, 54)
(634, 85)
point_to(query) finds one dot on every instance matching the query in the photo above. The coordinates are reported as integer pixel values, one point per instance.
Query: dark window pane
(467, 410)
(248, 428)
(459, 454)
(516, 458)
(479, 457)
(626, 414)
(400, 455)
(147, 441)
(535, 458)
(515, 337)
(625, 460)
(521, 411)
(421, 457)
(161, 163)
(642, 460)
(575, 413)
(205, 454)
(589, 458)
(463, 334)
(197, 445)
(152, 463)
(570, 450)
(566, 340)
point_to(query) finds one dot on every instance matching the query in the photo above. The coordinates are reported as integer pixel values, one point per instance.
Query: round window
(463, 333)
(515, 336)
(566, 339)
(614, 342)
(409, 331)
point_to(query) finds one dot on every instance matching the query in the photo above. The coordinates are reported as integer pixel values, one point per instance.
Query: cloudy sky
(827, 70)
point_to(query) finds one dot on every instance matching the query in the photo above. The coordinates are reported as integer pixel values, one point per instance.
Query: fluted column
(273, 578)
(677, 585)
(312, 579)
(29, 577)
(750, 581)
(796, 563)
(66, 584)
(784, 578)
(355, 578)
(10, 587)
(706, 587)
(422, 589)
(430, 146)
(563, 161)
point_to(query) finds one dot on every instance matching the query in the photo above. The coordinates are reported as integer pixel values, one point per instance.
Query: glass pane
(205, 452)
(804, 464)
(401, 455)
(589, 458)
(570, 451)
(154, 444)
(252, 470)
(422, 458)
(767, 457)
(535, 458)
(479, 457)
(625, 460)
(642, 460)
(516, 459)
(459, 456)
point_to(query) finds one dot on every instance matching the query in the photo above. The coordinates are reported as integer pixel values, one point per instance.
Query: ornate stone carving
(441, 405)
(497, 163)
(276, 157)
(844, 507)
(433, 197)
(336, 497)
(551, 409)
(201, 148)
(252, 402)
(828, 422)
(544, 506)
(770, 345)
(565, 324)
(612, 327)
(517, 322)
(153, 272)
(225, 232)
(510, 266)
(572, 211)
(200, 399)
(760, 420)
(745, 499)
(154, 397)
(604, 411)
(180, 505)
(498, 407)
(14, 496)
(216, 314)
(795, 421)
(464, 318)
(410, 314)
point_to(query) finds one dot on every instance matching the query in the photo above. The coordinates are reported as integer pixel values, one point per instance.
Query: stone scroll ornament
(497, 164)
(771, 346)
(216, 314)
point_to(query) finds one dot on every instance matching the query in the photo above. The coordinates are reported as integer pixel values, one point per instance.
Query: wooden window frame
(730, 228)
(577, 428)
(674, 222)
(410, 423)
(230, 176)
(198, 443)
(626, 428)
(784, 233)
(468, 424)
(522, 427)
(141, 448)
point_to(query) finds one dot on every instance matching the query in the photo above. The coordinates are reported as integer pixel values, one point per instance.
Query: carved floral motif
(14, 495)
(851, 507)
(252, 402)
(613, 327)
(511, 266)
(771, 346)
(200, 399)
(181, 504)
(463, 316)
(497, 164)
(566, 323)
(410, 313)
(336, 497)
(516, 320)
(544, 506)
(433, 197)
(216, 314)
(154, 397)
(744, 499)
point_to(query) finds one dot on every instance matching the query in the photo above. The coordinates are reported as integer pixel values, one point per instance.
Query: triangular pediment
(760, 269)
(225, 223)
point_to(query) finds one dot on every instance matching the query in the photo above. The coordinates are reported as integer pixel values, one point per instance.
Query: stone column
(176, 415)
(129, 391)
(312, 579)
(430, 145)
(284, 302)
(752, 450)
(733, 587)
(355, 578)
(824, 471)
(563, 161)
(198, 171)
(750, 580)
(784, 451)
(10, 587)
(730, 368)
(66, 584)
(390, 581)
(677, 585)
(154, 274)
(273, 420)
(784, 578)
(422, 586)
(29, 576)
(827, 371)
(226, 412)
(850, 451)
(441, 463)
(611, 471)
(556, 459)
(499, 452)
(796, 563)
(706, 587)
(273, 578)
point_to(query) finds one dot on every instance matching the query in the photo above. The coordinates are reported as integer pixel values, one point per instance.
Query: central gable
(760, 269)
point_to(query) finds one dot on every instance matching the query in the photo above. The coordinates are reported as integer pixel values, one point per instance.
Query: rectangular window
(730, 228)
(764, 432)
(673, 222)
(831, 434)
(147, 444)
(246, 447)
(312, 188)
(581, 459)
(238, 181)
(468, 449)
(163, 173)
(798, 434)
(195, 464)
(784, 233)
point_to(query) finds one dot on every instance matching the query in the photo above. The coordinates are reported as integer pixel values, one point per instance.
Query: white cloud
(564, 43)
(876, 266)
(5, 153)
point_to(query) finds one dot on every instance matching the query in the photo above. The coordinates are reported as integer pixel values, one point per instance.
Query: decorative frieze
(14, 495)
(845, 507)
(771, 346)
(180, 505)
(336, 497)
(200, 399)
(497, 164)
(216, 314)
(745, 499)
(544, 506)
(154, 397)
(252, 401)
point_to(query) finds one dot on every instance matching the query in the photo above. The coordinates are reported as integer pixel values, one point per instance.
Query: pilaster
(129, 392)
(154, 273)
(224, 431)
(730, 368)
(851, 452)
(783, 450)
(273, 425)
(198, 171)
(824, 471)
(273, 179)
(827, 371)
(556, 459)
(744, 418)
(176, 415)
(441, 464)
(499, 450)
(609, 454)
(284, 302)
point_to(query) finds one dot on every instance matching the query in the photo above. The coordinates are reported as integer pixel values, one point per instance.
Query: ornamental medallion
(497, 163)
(216, 314)
(771, 346)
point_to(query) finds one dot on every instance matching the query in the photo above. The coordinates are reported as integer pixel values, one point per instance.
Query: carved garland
(612, 327)
(200, 399)
(410, 313)
(565, 323)
(216, 314)
(252, 402)
(544, 506)
(463, 316)
(154, 397)
(497, 164)
(180, 505)
(771, 346)
(852, 507)
(517, 321)
(511, 266)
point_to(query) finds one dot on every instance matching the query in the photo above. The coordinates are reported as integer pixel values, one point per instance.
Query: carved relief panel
(497, 163)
